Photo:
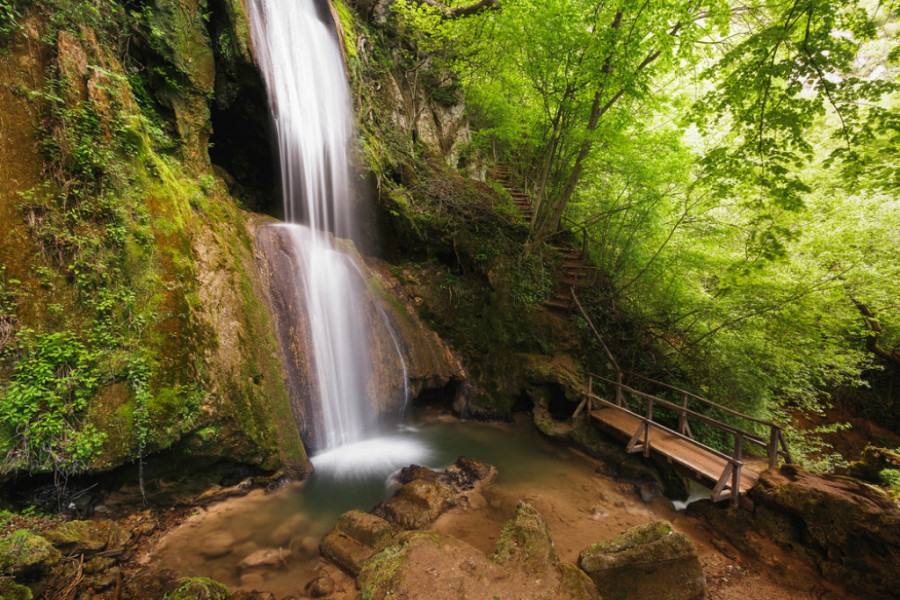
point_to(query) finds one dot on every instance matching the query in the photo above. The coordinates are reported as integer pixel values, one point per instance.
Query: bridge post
(682, 417)
(736, 474)
(772, 448)
(647, 427)
(619, 399)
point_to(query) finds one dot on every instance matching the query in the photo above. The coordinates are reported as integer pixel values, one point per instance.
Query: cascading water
(309, 98)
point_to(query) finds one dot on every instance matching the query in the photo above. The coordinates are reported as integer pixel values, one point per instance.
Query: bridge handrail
(774, 447)
(750, 436)
(719, 453)
(704, 400)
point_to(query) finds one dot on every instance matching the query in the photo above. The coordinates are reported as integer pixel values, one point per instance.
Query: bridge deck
(707, 467)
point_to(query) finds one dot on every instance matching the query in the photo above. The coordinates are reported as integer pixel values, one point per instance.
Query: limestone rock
(354, 539)
(416, 505)
(648, 562)
(26, 552)
(466, 474)
(849, 530)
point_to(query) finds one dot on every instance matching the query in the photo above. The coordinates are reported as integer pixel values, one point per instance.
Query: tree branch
(462, 11)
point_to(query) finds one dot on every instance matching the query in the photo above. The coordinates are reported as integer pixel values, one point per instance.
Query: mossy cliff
(129, 300)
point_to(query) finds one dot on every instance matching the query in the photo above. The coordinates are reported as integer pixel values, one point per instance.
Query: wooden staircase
(573, 271)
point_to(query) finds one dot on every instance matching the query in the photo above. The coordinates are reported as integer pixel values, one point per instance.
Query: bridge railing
(728, 484)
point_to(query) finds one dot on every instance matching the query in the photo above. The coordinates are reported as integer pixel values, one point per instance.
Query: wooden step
(557, 306)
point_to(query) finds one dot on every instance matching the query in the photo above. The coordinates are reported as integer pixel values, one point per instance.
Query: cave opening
(243, 142)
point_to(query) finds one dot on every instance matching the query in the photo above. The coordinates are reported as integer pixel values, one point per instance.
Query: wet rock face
(416, 505)
(393, 329)
(427, 494)
(648, 562)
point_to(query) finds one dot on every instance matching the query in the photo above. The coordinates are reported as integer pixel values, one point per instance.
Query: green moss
(10, 590)
(198, 588)
(349, 25)
(379, 575)
(23, 551)
(636, 536)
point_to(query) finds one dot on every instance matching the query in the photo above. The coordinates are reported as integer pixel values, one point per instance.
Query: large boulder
(647, 562)
(416, 505)
(850, 530)
(354, 539)
(427, 494)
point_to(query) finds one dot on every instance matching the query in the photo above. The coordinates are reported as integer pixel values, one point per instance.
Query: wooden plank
(707, 466)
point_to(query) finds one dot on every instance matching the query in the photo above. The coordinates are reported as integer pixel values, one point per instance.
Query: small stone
(321, 586)
(216, 545)
(254, 579)
(262, 559)
(290, 528)
(598, 512)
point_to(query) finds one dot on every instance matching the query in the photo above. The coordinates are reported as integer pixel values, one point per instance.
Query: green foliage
(890, 478)
(42, 407)
(9, 15)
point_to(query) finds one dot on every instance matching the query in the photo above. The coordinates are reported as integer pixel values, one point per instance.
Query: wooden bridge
(655, 426)
(635, 415)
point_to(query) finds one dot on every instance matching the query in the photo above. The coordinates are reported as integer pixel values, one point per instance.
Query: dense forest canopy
(731, 165)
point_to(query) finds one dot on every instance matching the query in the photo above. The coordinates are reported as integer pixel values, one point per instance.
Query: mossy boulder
(88, 537)
(10, 590)
(26, 553)
(198, 588)
(355, 538)
(525, 541)
(648, 562)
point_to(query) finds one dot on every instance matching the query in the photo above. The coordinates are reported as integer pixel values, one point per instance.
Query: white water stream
(309, 98)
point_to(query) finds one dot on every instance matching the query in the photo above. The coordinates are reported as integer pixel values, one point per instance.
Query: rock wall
(848, 530)
(124, 250)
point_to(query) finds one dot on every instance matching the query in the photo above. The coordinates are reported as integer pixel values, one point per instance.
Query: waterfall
(302, 67)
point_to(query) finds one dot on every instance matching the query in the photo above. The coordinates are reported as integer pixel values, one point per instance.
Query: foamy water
(371, 458)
